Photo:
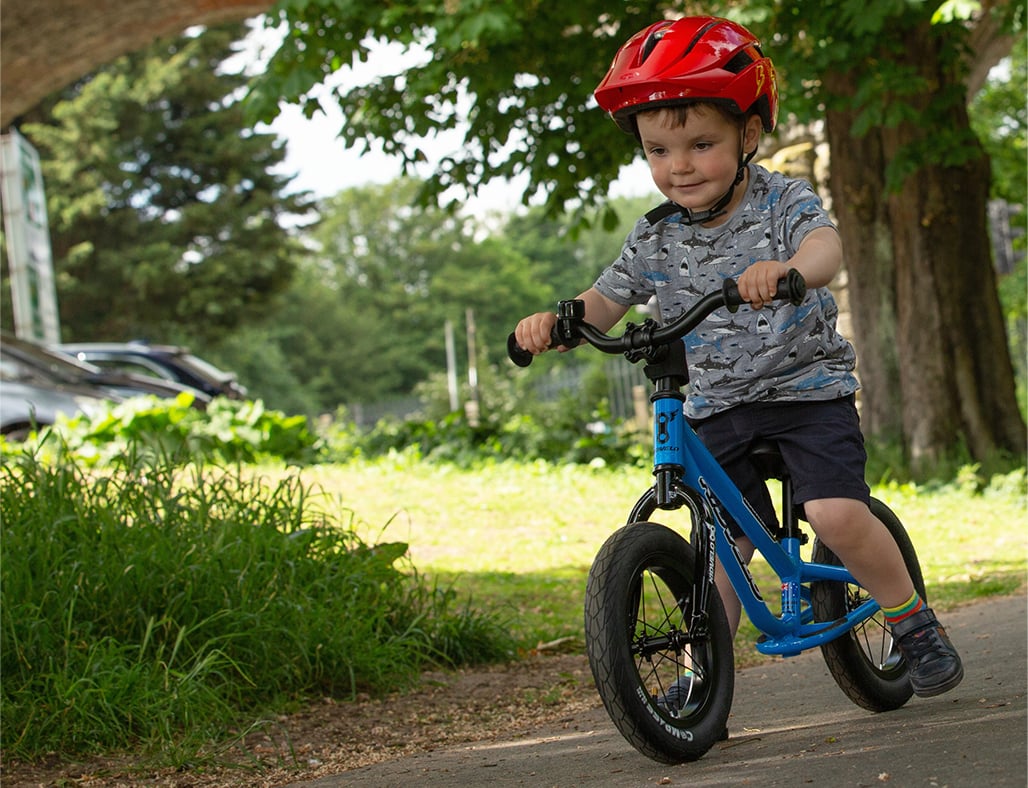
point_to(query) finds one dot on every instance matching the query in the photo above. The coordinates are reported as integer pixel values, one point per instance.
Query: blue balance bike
(659, 644)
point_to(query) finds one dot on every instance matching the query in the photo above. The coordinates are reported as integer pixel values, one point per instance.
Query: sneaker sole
(939, 689)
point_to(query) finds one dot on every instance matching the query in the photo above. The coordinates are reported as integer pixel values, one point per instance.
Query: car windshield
(54, 364)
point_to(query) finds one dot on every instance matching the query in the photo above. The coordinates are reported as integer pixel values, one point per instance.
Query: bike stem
(669, 373)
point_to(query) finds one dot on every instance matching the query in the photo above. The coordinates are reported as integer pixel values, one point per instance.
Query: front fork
(669, 493)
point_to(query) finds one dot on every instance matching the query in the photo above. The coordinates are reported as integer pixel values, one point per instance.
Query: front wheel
(667, 689)
(865, 662)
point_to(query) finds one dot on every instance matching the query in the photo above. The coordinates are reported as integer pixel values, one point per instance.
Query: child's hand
(533, 332)
(759, 283)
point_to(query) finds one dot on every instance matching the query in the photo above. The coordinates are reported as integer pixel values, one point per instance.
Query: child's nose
(681, 162)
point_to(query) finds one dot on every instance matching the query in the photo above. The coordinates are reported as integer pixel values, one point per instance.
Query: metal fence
(629, 389)
(627, 393)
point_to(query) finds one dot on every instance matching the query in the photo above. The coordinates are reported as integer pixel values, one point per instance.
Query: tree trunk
(927, 320)
(857, 186)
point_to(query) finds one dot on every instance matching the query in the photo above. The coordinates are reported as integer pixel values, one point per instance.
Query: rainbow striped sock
(893, 615)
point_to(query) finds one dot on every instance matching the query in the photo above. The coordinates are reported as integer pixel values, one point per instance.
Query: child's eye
(703, 145)
(657, 151)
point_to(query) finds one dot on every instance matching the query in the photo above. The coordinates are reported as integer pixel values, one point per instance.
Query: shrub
(142, 428)
(156, 605)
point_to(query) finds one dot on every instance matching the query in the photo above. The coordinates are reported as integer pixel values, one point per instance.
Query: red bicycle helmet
(696, 58)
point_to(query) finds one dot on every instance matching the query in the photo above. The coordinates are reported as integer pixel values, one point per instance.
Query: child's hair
(676, 116)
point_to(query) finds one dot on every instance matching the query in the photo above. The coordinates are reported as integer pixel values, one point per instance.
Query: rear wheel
(667, 689)
(865, 662)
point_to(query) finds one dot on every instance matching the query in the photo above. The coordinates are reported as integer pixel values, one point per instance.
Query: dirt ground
(330, 737)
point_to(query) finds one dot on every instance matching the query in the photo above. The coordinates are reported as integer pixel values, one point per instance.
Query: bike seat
(768, 459)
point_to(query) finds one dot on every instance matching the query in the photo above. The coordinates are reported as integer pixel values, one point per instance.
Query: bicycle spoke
(665, 660)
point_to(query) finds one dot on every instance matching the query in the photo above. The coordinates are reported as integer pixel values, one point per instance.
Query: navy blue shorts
(820, 442)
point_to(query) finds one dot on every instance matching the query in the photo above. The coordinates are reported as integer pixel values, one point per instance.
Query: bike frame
(687, 473)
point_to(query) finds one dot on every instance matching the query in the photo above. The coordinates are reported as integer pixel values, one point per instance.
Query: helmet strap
(718, 208)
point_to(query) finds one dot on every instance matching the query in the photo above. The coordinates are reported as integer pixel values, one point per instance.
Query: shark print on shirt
(781, 352)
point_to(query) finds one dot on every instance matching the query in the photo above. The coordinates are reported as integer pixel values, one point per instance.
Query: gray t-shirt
(781, 352)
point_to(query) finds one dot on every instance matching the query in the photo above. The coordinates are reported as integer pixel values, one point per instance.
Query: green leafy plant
(143, 428)
(159, 606)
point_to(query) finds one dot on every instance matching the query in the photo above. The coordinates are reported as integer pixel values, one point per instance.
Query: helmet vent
(651, 44)
(699, 35)
(739, 62)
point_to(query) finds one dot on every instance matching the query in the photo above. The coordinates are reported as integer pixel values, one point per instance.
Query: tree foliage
(167, 217)
(890, 77)
(516, 78)
(1000, 119)
(365, 318)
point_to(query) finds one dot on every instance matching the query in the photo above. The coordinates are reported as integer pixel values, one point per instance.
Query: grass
(519, 539)
(157, 609)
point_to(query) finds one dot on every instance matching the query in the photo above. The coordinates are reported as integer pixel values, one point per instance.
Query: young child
(696, 93)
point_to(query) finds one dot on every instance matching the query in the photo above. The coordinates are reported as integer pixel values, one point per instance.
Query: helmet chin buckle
(702, 217)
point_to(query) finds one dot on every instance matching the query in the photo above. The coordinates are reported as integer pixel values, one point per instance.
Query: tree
(909, 178)
(364, 320)
(909, 182)
(167, 219)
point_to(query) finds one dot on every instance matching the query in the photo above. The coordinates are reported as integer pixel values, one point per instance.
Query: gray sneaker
(932, 660)
(678, 695)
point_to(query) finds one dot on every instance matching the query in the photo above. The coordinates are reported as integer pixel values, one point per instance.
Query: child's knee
(838, 516)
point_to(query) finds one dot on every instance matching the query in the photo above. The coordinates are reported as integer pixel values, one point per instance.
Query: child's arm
(533, 332)
(818, 259)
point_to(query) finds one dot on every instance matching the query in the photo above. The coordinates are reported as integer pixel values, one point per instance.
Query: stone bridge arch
(48, 44)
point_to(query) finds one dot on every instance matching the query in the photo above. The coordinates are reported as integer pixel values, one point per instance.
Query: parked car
(26, 406)
(167, 362)
(30, 362)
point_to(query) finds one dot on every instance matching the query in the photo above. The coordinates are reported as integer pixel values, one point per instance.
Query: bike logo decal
(721, 516)
(712, 559)
(663, 423)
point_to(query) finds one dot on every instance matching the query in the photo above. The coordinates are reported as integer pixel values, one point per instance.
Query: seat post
(790, 522)
(768, 459)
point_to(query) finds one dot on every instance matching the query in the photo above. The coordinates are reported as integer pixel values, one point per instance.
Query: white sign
(33, 295)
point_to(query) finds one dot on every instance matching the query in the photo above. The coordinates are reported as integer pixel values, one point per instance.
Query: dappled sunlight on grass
(520, 538)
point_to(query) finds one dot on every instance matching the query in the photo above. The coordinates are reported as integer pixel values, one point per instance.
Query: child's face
(694, 165)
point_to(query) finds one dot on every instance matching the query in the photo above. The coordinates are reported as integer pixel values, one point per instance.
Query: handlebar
(571, 326)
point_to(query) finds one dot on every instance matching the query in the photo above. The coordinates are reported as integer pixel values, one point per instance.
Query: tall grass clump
(158, 607)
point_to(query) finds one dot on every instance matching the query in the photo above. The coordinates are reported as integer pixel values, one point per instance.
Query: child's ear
(751, 133)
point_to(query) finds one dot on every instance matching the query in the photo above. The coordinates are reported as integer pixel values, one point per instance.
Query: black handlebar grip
(522, 357)
(516, 353)
(792, 288)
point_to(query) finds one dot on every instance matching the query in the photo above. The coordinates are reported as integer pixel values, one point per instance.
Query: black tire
(21, 432)
(638, 589)
(865, 662)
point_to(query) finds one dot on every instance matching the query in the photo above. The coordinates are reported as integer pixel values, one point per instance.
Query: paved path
(791, 726)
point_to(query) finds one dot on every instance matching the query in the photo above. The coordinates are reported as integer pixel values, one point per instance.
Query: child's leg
(864, 545)
(870, 553)
(729, 599)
